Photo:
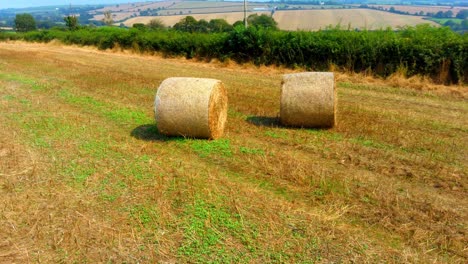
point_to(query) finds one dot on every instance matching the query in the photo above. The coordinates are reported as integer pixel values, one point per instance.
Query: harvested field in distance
(136, 7)
(309, 19)
(171, 20)
(172, 8)
(124, 11)
(355, 18)
(116, 16)
(425, 9)
(86, 177)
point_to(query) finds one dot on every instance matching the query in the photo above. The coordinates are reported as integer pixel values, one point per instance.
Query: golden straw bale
(191, 107)
(308, 99)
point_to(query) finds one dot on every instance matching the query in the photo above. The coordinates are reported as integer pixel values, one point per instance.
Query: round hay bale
(308, 99)
(191, 107)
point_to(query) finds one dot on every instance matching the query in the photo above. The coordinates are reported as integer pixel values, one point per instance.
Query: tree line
(439, 53)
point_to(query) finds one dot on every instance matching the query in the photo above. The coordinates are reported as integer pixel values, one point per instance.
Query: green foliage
(156, 24)
(24, 23)
(423, 49)
(463, 14)
(219, 25)
(71, 22)
(108, 20)
(187, 24)
(139, 26)
(190, 24)
(262, 21)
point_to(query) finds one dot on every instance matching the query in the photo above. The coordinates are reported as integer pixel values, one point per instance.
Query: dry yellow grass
(86, 177)
(309, 19)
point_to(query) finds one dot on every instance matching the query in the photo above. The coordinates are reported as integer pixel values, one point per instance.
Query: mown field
(86, 177)
(308, 19)
(425, 8)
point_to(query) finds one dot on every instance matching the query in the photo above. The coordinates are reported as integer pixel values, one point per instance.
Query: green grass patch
(96, 149)
(17, 78)
(137, 168)
(323, 133)
(205, 148)
(33, 84)
(117, 114)
(206, 229)
(146, 216)
(78, 172)
(8, 97)
(276, 134)
(366, 142)
(252, 151)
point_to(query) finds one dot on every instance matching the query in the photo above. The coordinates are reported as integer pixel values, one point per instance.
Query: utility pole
(245, 13)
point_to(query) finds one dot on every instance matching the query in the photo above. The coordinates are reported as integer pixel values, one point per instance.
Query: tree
(238, 23)
(187, 24)
(219, 25)
(24, 23)
(156, 24)
(108, 20)
(45, 24)
(71, 22)
(262, 21)
(464, 24)
(448, 14)
(439, 14)
(202, 26)
(463, 14)
(139, 26)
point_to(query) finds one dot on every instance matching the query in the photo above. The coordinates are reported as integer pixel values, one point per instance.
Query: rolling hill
(308, 19)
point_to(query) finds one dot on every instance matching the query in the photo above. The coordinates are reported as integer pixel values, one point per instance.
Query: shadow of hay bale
(266, 121)
(148, 132)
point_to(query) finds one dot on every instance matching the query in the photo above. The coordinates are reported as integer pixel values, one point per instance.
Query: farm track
(85, 177)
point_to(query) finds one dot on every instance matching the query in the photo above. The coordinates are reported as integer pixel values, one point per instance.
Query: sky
(32, 3)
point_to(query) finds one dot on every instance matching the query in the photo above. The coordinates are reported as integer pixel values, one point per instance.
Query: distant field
(171, 20)
(135, 7)
(170, 12)
(310, 19)
(172, 8)
(355, 18)
(117, 16)
(124, 11)
(425, 9)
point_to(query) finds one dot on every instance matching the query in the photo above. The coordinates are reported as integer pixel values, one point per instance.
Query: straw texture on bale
(308, 99)
(191, 107)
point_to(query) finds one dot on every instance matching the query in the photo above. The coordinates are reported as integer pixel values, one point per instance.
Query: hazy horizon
(34, 3)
